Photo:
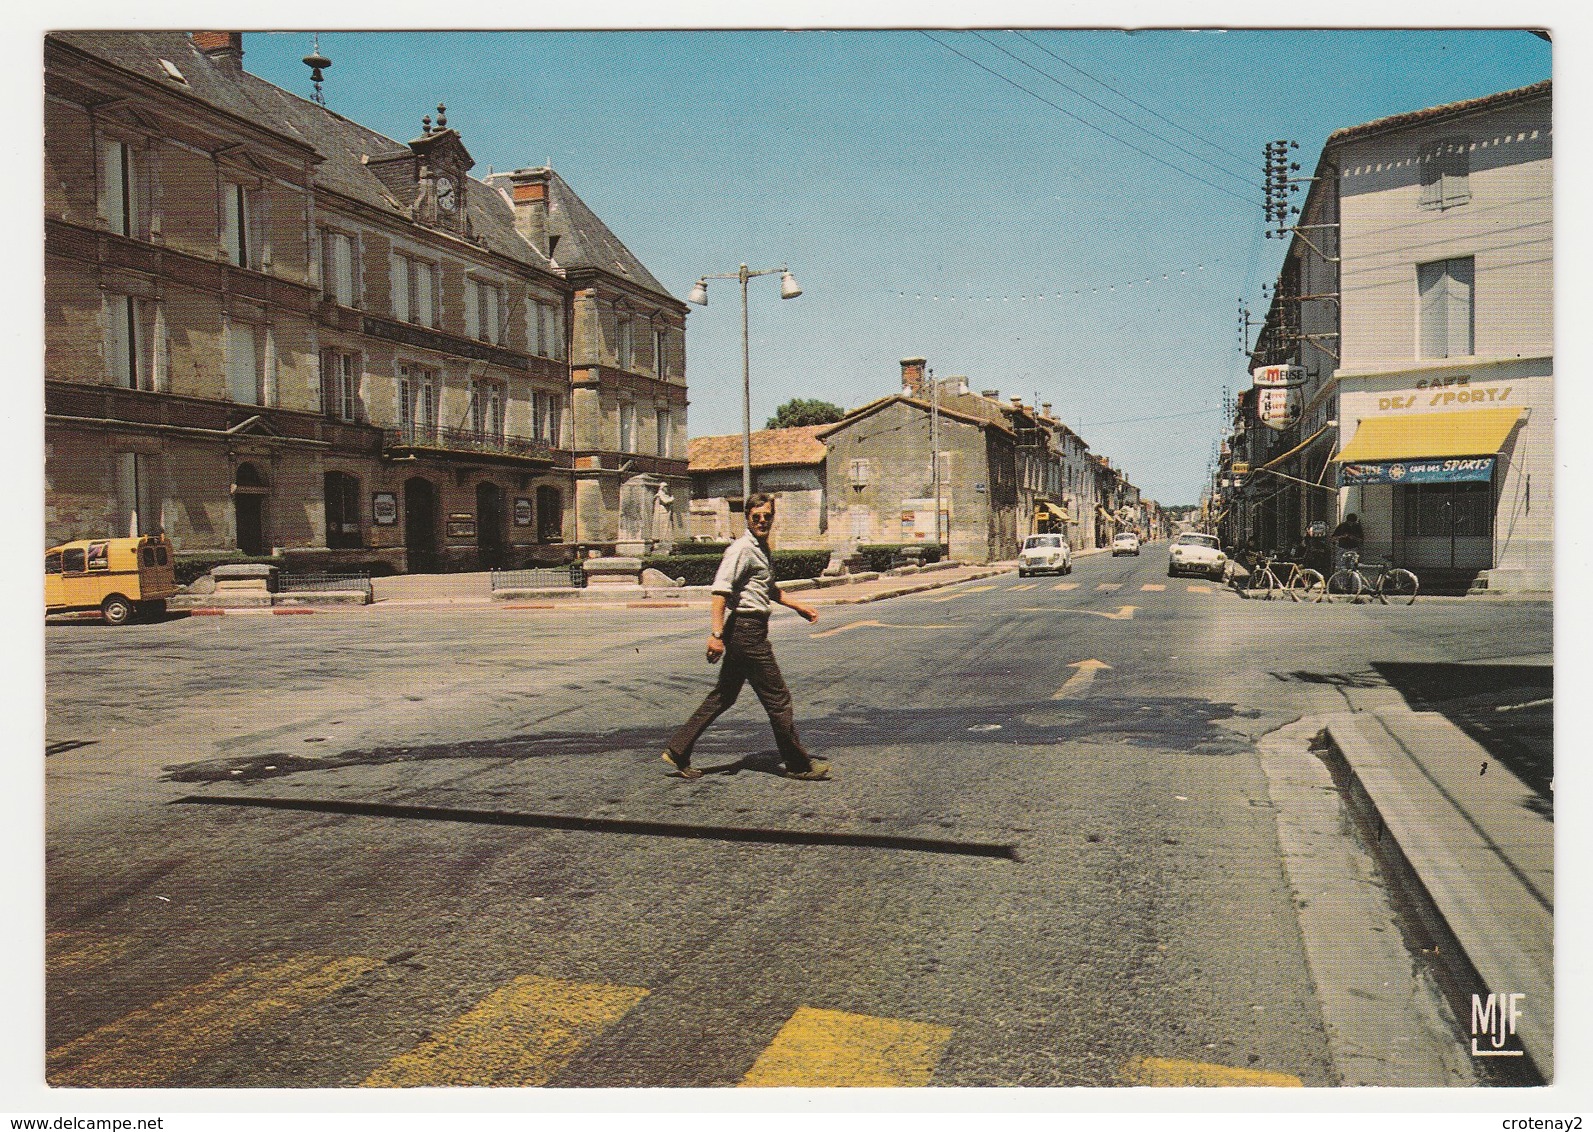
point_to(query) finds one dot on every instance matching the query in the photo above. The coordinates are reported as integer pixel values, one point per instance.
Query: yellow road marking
(1124, 612)
(844, 628)
(1025, 586)
(1064, 587)
(81, 949)
(153, 1045)
(962, 593)
(1085, 675)
(521, 1035)
(1108, 587)
(833, 1049)
(1166, 1073)
(1153, 587)
(871, 625)
(1198, 589)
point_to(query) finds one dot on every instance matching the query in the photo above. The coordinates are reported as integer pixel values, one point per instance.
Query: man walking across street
(744, 594)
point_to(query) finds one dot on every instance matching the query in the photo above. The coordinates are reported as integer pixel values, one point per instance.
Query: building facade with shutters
(1417, 301)
(271, 329)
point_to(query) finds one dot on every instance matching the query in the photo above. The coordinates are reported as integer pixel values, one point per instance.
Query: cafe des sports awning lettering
(1470, 469)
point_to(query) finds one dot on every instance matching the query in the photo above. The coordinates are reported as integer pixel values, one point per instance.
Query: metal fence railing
(325, 583)
(546, 578)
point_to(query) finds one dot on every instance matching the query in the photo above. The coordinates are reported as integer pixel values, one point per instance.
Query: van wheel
(116, 609)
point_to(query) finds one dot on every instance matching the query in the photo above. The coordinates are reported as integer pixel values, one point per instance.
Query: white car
(1193, 553)
(1043, 553)
(1125, 543)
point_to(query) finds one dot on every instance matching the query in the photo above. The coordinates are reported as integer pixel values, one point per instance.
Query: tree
(801, 411)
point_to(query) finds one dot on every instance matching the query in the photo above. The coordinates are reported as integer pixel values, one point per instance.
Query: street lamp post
(699, 295)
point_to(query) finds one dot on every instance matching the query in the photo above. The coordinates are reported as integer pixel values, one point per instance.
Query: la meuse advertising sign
(1461, 469)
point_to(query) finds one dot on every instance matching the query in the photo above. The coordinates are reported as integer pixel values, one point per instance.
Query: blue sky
(927, 206)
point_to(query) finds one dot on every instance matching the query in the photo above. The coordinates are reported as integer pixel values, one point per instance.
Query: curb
(1488, 931)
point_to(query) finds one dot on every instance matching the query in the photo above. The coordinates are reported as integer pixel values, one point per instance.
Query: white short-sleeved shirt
(746, 577)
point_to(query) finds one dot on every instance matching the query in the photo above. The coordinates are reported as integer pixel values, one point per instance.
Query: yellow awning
(1051, 508)
(1467, 432)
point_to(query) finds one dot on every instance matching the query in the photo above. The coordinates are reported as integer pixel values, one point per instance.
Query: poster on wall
(384, 508)
(461, 525)
(522, 511)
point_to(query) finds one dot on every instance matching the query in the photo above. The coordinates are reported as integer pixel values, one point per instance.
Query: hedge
(699, 569)
(879, 556)
(714, 548)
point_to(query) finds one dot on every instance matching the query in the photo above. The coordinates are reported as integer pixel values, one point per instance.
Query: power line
(1126, 98)
(1087, 122)
(1138, 420)
(1240, 177)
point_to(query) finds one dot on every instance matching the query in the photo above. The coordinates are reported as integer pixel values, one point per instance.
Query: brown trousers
(748, 658)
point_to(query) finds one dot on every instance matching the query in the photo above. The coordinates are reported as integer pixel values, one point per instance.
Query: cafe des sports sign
(1464, 469)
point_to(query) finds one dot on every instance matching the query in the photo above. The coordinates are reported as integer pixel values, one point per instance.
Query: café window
(1445, 510)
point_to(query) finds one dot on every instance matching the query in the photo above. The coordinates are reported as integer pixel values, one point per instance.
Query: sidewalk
(476, 589)
(1471, 846)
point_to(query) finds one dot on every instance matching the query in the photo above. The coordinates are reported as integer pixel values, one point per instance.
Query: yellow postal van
(121, 577)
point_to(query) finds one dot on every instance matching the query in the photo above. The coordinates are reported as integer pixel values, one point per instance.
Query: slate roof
(585, 242)
(1448, 109)
(343, 143)
(771, 448)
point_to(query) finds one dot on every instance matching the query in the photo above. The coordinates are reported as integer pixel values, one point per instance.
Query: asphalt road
(394, 847)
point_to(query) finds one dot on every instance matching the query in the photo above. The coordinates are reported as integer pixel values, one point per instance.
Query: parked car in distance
(1042, 553)
(1125, 543)
(1192, 553)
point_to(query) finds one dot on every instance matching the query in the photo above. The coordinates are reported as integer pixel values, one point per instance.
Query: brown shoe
(686, 769)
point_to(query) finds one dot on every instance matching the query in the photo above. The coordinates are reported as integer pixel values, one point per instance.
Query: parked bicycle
(1301, 583)
(1384, 582)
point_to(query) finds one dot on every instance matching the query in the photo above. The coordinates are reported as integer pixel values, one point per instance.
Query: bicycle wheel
(1344, 583)
(1397, 586)
(1306, 585)
(1261, 583)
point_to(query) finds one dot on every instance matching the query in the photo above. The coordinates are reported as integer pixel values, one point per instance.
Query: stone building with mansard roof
(270, 327)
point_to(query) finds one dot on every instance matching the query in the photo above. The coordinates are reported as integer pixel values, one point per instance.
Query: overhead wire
(1091, 125)
(1243, 179)
(1127, 98)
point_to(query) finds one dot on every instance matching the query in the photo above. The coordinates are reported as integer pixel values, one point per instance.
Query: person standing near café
(744, 594)
(1348, 536)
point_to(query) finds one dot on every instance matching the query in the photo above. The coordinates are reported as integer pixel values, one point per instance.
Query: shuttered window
(1445, 169)
(1447, 307)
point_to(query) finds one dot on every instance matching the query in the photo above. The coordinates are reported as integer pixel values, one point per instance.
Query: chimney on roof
(1045, 408)
(993, 394)
(913, 376)
(225, 47)
(528, 191)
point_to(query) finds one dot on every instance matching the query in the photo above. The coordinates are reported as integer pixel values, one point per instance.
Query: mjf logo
(1496, 1020)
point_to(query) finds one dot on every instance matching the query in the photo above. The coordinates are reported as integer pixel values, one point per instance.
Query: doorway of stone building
(420, 524)
(249, 492)
(489, 526)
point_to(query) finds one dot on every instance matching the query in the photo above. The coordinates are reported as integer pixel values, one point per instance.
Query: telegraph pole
(934, 452)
